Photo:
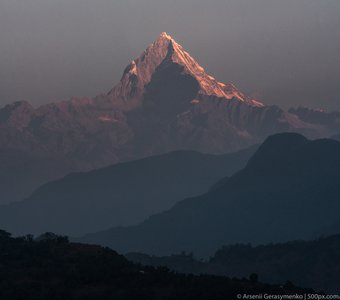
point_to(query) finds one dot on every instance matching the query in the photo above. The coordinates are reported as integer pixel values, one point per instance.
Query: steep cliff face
(165, 101)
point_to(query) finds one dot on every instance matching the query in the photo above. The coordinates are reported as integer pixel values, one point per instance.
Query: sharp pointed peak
(140, 71)
(165, 35)
(164, 40)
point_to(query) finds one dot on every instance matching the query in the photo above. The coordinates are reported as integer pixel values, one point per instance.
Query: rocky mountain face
(289, 190)
(165, 101)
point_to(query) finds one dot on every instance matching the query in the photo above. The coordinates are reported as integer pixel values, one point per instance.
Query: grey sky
(285, 51)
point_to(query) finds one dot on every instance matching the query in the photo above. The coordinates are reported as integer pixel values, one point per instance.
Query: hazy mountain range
(123, 194)
(164, 102)
(289, 190)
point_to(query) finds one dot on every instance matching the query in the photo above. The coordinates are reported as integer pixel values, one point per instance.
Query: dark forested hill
(313, 264)
(52, 268)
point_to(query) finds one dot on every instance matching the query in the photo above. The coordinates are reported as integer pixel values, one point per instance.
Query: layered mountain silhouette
(164, 102)
(313, 264)
(123, 194)
(290, 189)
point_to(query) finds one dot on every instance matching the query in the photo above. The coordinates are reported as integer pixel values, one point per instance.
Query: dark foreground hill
(123, 194)
(51, 268)
(290, 189)
(313, 264)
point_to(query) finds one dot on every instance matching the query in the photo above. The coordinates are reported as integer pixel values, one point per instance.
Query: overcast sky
(285, 52)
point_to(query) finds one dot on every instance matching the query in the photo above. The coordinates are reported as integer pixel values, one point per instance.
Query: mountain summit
(166, 51)
(165, 101)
